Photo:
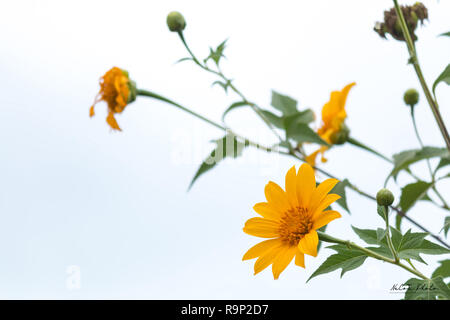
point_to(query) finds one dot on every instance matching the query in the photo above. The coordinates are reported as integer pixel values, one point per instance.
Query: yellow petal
(282, 260)
(325, 218)
(329, 199)
(266, 259)
(290, 184)
(261, 248)
(112, 121)
(265, 210)
(306, 184)
(308, 244)
(300, 258)
(261, 227)
(91, 111)
(320, 193)
(276, 196)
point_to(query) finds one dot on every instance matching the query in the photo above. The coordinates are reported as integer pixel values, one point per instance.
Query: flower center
(294, 224)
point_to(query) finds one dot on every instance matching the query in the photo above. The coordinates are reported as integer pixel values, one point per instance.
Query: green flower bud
(175, 21)
(341, 136)
(411, 97)
(385, 197)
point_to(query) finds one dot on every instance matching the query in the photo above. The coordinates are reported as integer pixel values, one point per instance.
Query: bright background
(116, 206)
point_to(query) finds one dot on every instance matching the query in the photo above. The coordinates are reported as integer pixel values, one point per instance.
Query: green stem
(219, 73)
(359, 144)
(388, 234)
(415, 61)
(327, 238)
(416, 131)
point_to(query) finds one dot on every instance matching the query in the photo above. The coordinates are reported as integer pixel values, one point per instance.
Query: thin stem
(150, 94)
(416, 131)
(219, 73)
(327, 238)
(415, 61)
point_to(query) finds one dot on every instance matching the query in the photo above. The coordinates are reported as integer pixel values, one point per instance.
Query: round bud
(385, 197)
(411, 97)
(341, 136)
(175, 21)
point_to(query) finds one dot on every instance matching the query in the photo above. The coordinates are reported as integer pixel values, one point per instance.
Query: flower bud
(341, 136)
(411, 97)
(175, 21)
(385, 197)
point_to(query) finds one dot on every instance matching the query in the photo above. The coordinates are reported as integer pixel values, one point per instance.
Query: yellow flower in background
(333, 118)
(117, 90)
(290, 219)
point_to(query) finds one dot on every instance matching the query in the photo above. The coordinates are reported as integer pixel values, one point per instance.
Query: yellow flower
(333, 117)
(290, 218)
(116, 89)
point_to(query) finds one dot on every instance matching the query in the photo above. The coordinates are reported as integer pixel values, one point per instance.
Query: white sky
(72, 193)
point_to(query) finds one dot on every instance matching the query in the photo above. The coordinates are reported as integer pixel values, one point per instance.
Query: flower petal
(260, 249)
(329, 199)
(306, 184)
(265, 210)
(112, 121)
(325, 218)
(261, 227)
(282, 260)
(291, 186)
(276, 196)
(308, 244)
(300, 258)
(266, 259)
(320, 193)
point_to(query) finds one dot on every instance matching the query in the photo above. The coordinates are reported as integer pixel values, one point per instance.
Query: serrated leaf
(412, 193)
(367, 235)
(216, 54)
(443, 77)
(234, 106)
(431, 289)
(443, 270)
(226, 147)
(285, 104)
(339, 189)
(404, 159)
(345, 259)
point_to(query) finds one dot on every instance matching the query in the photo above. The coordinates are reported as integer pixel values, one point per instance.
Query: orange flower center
(294, 224)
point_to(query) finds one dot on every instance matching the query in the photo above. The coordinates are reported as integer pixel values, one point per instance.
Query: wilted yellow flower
(291, 219)
(333, 117)
(117, 90)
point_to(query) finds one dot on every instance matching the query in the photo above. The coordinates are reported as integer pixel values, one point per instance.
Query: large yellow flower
(333, 117)
(115, 90)
(290, 218)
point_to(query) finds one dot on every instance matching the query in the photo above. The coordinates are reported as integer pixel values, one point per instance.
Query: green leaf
(445, 34)
(273, 119)
(419, 289)
(404, 159)
(446, 225)
(412, 193)
(184, 59)
(339, 189)
(285, 104)
(369, 236)
(443, 77)
(301, 133)
(227, 147)
(345, 259)
(443, 270)
(224, 85)
(299, 117)
(234, 106)
(444, 162)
